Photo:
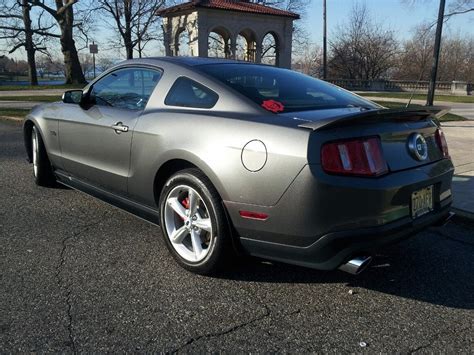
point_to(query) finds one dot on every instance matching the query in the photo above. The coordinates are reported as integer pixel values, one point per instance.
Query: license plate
(422, 202)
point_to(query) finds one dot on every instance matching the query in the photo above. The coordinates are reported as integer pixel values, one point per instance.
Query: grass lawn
(39, 87)
(35, 98)
(14, 112)
(407, 95)
(445, 118)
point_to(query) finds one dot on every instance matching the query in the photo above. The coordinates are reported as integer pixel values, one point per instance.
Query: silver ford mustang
(230, 157)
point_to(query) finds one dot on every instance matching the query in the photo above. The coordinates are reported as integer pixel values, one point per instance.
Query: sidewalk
(45, 92)
(460, 137)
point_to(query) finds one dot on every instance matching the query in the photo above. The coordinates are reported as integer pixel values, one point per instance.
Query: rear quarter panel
(214, 144)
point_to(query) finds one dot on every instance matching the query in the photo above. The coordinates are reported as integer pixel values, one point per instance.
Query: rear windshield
(281, 90)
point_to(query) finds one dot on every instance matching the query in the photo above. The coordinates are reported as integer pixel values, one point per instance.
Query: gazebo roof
(228, 5)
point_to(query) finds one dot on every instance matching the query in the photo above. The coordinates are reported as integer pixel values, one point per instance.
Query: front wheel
(42, 170)
(193, 222)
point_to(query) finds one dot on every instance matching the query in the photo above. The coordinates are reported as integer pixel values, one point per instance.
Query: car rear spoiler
(397, 114)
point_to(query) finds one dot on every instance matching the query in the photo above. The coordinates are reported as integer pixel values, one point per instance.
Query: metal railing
(448, 87)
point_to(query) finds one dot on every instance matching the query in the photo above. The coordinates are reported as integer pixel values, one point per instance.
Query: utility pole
(325, 45)
(437, 48)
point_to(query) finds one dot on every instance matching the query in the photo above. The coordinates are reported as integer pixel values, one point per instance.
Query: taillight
(361, 156)
(442, 144)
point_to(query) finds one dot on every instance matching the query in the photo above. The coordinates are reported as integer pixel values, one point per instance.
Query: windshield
(281, 90)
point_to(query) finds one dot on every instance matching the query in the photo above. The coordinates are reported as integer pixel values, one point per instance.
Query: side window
(188, 93)
(128, 88)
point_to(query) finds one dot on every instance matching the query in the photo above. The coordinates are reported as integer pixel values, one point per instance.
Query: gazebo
(235, 29)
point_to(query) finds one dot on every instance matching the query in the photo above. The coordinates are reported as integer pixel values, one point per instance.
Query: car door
(96, 138)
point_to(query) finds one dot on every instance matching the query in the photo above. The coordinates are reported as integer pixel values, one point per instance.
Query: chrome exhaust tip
(357, 265)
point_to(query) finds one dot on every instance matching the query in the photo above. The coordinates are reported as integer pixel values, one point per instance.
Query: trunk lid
(395, 128)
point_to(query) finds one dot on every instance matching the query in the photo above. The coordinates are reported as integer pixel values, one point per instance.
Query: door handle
(119, 127)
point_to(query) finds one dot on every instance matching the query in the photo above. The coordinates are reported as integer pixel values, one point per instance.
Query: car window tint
(281, 90)
(188, 93)
(129, 88)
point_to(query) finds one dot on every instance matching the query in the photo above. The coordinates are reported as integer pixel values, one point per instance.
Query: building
(235, 29)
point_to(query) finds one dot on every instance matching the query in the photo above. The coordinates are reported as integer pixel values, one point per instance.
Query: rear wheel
(42, 169)
(193, 222)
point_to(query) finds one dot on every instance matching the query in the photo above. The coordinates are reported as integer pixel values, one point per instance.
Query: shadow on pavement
(436, 266)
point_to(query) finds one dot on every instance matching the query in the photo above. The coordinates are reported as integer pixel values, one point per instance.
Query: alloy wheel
(188, 223)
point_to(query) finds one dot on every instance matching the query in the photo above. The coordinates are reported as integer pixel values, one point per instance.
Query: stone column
(233, 46)
(167, 36)
(286, 38)
(258, 51)
(203, 43)
(459, 88)
(227, 49)
(193, 42)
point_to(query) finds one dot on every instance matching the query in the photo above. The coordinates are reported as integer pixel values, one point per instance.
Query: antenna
(414, 88)
(412, 94)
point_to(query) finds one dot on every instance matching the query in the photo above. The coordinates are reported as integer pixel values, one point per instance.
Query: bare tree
(416, 55)
(50, 66)
(456, 7)
(19, 31)
(105, 62)
(63, 13)
(362, 49)
(459, 7)
(11, 68)
(134, 22)
(310, 62)
(456, 58)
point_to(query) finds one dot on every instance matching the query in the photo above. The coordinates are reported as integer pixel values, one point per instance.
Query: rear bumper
(321, 220)
(334, 249)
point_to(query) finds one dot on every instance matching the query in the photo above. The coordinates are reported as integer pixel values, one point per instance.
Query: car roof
(188, 61)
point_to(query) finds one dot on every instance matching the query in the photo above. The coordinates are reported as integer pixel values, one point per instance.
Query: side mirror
(73, 97)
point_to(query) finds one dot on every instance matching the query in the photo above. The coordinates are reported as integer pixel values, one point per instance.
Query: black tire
(42, 169)
(220, 245)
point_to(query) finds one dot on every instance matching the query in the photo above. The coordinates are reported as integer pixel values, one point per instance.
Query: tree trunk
(29, 45)
(74, 74)
(127, 38)
(128, 47)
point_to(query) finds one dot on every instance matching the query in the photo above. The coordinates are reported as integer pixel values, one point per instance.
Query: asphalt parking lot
(79, 276)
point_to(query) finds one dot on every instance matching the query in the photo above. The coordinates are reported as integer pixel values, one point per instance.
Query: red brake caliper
(185, 203)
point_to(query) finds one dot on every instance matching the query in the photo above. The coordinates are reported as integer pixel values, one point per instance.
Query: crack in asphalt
(67, 286)
(266, 314)
(438, 336)
(61, 285)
